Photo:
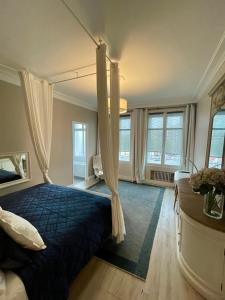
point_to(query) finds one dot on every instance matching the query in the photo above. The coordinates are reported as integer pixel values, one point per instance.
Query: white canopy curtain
(17, 162)
(140, 122)
(39, 110)
(108, 136)
(189, 136)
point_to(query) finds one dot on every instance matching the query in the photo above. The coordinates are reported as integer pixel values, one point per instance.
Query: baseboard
(90, 178)
(159, 183)
(126, 178)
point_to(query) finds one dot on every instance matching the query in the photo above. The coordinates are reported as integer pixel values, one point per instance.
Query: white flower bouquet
(211, 184)
(208, 180)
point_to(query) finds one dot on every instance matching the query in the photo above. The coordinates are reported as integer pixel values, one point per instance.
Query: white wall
(125, 170)
(15, 136)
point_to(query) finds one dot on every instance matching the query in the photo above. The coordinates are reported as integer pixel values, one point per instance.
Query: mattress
(73, 224)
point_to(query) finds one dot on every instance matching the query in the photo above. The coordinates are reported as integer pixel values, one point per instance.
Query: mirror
(215, 154)
(14, 168)
(217, 143)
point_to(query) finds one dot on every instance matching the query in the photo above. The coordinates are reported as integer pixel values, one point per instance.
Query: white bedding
(11, 287)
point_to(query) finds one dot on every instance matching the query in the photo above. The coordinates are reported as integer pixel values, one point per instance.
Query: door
(79, 152)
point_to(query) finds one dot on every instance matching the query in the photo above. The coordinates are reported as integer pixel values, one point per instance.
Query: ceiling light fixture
(122, 105)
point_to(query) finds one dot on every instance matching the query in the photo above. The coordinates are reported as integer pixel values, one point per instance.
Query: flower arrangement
(209, 180)
(210, 183)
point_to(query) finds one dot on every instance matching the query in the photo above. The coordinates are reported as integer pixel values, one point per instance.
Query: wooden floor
(102, 281)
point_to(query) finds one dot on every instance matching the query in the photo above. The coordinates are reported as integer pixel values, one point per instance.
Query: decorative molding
(218, 99)
(74, 100)
(14, 182)
(12, 76)
(162, 103)
(9, 75)
(212, 69)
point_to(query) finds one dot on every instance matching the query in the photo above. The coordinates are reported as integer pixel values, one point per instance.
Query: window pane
(124, 136)
(78, 126)
(125, 122)
(174, 120)
(155, 121)
(154, 146)
(124, 153)
(173, 147)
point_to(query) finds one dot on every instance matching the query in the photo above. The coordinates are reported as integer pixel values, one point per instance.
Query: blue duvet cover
(6, 176)
(73, 225)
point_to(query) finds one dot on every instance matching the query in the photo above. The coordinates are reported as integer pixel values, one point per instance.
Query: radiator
(159, 175)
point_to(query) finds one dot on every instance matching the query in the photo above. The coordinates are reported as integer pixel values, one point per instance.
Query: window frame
(164, 113)
(130, 150)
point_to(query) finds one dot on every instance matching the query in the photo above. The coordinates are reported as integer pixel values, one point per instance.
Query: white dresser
(200, 244)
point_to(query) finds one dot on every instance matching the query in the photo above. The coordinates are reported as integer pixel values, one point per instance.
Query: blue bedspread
(73, 225)
(6, 176)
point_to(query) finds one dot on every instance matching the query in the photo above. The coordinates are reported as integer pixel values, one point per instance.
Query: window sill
(163, 167)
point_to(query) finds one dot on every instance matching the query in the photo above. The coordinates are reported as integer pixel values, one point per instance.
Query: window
(217, 147)
(165, 138)
(155, 139)
(124, 136)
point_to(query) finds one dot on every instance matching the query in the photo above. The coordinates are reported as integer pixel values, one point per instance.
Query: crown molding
(74, 100)
(12, 76)
(9, 75)
(210, 74)
(166, 102)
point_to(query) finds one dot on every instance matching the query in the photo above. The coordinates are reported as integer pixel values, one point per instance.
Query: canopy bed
(73, 225)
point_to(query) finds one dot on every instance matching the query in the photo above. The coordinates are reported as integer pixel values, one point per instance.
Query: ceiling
(163, 46)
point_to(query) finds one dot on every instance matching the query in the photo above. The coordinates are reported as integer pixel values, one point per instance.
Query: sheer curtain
(17, 162)
(140, 122)
(39, 110)
(108, 136)
(189, 136)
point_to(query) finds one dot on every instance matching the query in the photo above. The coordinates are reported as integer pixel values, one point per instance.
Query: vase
(213, 205)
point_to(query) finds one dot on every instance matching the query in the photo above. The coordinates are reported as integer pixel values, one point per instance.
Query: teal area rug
(141, 206)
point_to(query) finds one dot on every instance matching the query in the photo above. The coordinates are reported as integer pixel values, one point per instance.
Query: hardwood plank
(100, 280)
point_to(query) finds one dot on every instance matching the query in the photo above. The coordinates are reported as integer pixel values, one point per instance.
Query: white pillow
(21, 231)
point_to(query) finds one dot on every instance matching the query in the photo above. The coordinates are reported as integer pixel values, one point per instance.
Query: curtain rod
(162, 107)
(73, 78)
(72, 70)
(81, 76)
(82, 25)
